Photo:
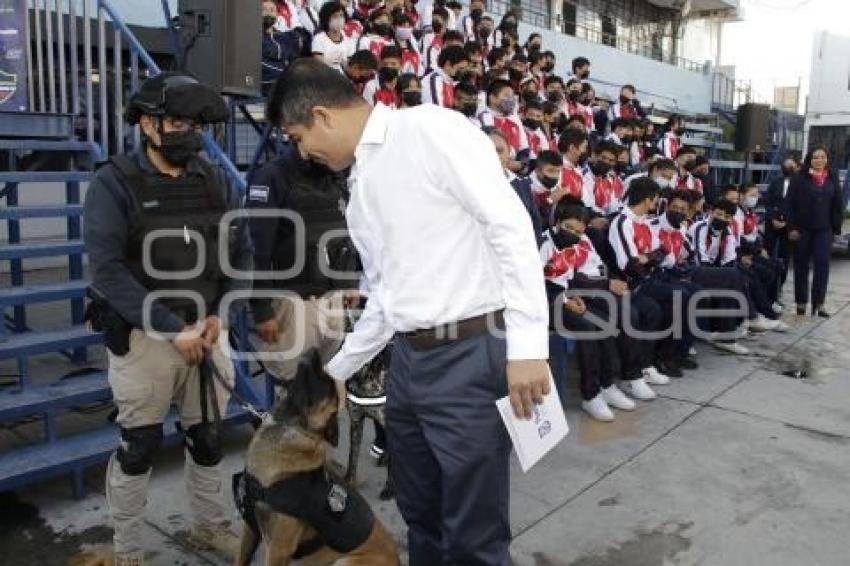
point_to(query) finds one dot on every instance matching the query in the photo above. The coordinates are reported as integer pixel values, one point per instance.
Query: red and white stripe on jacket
(374, 43)
(671, 240)
(711, 249)
(411, 60)
(689, 183)
(750, 226)
(603, 194)
(572, 181)
(538, 141)
(619, 110)
(511, 126)
(352, 29)
(373, 93)
(669, 145)
(630, 236)
(561, 265)
(572, 108)
(438, 89)
(430, 47)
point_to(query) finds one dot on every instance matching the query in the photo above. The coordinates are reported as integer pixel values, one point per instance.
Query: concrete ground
(735, 464)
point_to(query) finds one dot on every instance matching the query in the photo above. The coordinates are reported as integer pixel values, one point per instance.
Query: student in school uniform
(770, 271)
(544, 182)
(621, 132)
(438, 86)
(570, 262)
(466, 102)
(411, 59)
(627, 107)
(671, 141)
(432, 42)
(573, 105)
(383, 87)
(573, 146)
(330, 45)
(501, 114)
(602, 188)
(532, 120)
(467, 24)
(637, 255)
(379, 33)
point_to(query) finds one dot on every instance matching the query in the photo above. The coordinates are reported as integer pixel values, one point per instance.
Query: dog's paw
(93, 555)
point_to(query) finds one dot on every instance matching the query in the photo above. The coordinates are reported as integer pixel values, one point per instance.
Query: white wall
(829, 87)
(143, 12)
(683, 90)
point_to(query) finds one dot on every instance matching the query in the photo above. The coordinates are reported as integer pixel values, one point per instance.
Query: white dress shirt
(441, 233)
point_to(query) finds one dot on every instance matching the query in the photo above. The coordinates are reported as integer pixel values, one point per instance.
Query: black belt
(429, 338)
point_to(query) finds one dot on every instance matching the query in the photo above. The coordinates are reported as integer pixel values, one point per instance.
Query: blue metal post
(16, 265)
(75, 263)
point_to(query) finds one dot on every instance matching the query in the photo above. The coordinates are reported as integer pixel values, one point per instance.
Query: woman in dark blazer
(814, 209)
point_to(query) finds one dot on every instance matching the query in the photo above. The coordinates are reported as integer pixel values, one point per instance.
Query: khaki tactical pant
(144, 384)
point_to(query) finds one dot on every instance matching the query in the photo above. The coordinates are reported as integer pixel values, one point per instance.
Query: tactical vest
(321, 206)
(191, 209)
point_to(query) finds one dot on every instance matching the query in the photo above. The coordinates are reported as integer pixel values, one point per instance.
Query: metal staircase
(55, 135)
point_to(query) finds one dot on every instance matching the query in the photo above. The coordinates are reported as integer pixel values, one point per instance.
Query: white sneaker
(762, 323)
(732, 347)
(655, 377)
(638, 389)
(617, 399)
(598, 409)
(782, 327)
(777, 308)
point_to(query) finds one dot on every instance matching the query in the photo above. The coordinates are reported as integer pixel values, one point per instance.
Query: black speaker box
(223, 43)
(753, 128)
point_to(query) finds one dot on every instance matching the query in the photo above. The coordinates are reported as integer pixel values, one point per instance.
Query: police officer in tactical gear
(295, 314)
(153, 233)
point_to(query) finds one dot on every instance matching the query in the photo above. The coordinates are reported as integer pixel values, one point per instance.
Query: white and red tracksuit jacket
(511, 126)
(674, 241)
(669, 145)
(602, 194)
(439, 89)
(631, 236)
(713, 249)
(560, 266)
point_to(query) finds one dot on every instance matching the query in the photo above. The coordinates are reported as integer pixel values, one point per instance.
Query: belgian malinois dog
(288, 496)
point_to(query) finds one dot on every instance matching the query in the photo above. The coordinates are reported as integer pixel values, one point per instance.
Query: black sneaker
(687, 362)
(669, 368)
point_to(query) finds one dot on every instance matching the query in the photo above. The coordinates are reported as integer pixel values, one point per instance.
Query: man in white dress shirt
(449, 260)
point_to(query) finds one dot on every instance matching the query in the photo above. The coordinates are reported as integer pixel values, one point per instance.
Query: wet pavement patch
(28, 540)
(648, 548)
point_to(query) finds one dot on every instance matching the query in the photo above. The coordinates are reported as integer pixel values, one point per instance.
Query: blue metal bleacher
(50, 133)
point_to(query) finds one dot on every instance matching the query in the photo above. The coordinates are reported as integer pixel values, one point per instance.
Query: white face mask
(751, 202)
(665, 183)
(403, 34)
(336, 24)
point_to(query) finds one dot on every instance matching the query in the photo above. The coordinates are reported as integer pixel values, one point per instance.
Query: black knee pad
(138, 446)
(204, 444)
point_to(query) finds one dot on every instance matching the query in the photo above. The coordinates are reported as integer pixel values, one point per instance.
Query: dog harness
(341, 517)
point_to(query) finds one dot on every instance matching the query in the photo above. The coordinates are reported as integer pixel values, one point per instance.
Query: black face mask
(463, 76)
(584, 75)
(625, 99)
(548, 67)
(565, 239)
(718, 225)
(582, 159)
(384, 30)
(387, 74)
(621, 168)
(469, 109)
(535, 47)
(476, 14)
(600, 169)
(515, 75)
(555, 97)
(679, 131)
(675, 219)
(484, 33)
(178, 148)
(627, 139)
(509, 25)
(268, 21)
(548, 182)
(573, 95)
(411, 98)
(787, 171)
(437, 27)
(530, 96)
(531, 124)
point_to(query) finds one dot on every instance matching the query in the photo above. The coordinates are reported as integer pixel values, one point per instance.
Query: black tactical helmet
(179, 96)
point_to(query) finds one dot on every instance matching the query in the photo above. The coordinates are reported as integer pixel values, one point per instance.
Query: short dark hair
(727, 206)
(580, 62)
(620, 123)
(364, 58)
(607, 146)
(400, 18)
(701, 160)
(496, 87)
(571, 138)
(628, 87)
(305, 84)
(533, 105)
(453, 54)
(570, 208)
(730, 189)
(685, 150)
(495, 54)
(681, 194)
(404, 81)
(662, 165)
(466, 88)
(390, 51)
(535, 57)
(453, 35)
(641, 189)
(328, 10)
(552, 79)
(440, 11)
(575, 118)
(587, 87)
(549, 157)
(519, 58)
(550, 108)
(473, 48)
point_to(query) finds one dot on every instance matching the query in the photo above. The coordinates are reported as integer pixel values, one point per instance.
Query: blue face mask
(507, 106)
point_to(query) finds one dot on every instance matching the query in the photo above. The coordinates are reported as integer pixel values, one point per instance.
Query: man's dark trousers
(449, 450)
